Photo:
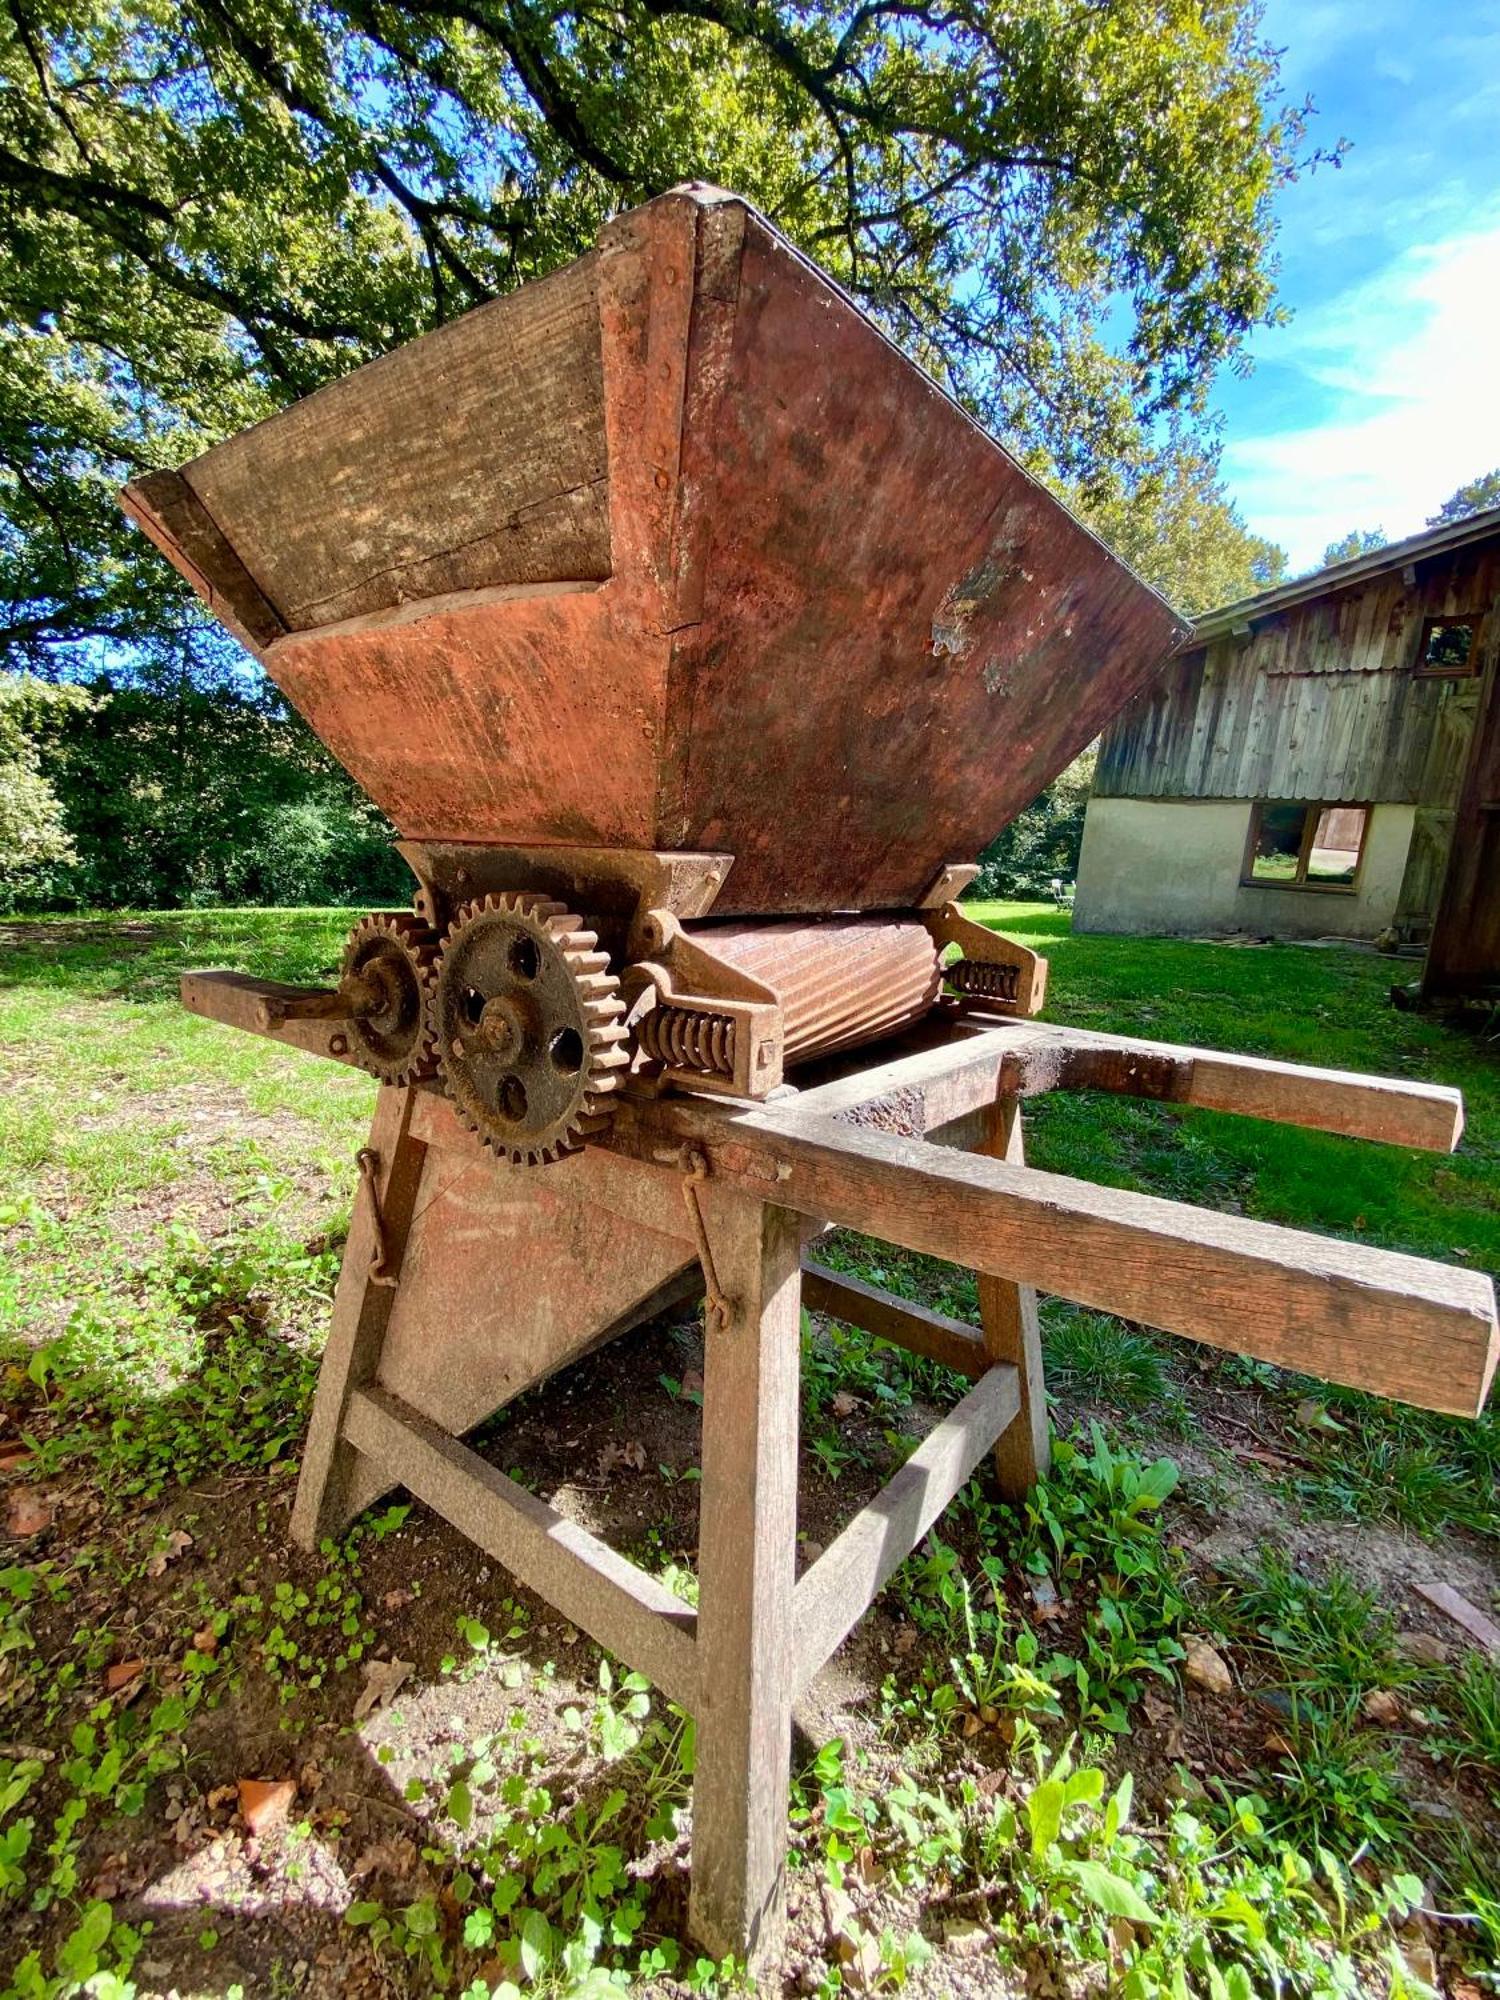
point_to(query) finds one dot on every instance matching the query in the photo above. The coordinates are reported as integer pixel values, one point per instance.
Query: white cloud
(1406, 364)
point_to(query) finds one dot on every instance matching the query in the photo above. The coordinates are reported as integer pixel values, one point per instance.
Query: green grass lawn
(172, 1201)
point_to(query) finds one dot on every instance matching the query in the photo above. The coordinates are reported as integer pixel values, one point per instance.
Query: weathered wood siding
(1319, 701)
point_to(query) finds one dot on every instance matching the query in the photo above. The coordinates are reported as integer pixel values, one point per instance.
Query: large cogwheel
(390, 958)
(530, 1026)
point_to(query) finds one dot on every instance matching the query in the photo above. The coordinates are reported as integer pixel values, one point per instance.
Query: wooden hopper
(667, 592)
(670, 550)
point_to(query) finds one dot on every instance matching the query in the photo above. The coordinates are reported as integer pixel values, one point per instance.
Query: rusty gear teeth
(397, 952)
(529, 1025)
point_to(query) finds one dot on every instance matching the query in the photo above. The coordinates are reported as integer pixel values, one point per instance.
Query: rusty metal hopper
(670, 550)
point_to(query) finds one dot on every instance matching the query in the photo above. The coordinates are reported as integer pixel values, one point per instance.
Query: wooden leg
(747, 1568)
(1008, 1318)
(326, 1501)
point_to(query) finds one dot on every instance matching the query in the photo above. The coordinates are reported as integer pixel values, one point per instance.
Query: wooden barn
(1320, 760)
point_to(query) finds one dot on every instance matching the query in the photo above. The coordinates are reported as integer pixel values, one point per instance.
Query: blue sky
(1383, 394)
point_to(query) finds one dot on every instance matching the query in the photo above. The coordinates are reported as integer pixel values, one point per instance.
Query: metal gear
(530, 1026)
(389, 958)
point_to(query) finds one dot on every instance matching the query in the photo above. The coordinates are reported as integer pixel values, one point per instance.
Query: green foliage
(34, 836)
(171, 790)
(1042, 844)
(1358, 542)
(1473, 497)
(1174, 523)
(215, 207)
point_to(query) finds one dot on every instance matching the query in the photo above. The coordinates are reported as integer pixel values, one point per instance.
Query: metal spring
(685, 1039)
(988, 982)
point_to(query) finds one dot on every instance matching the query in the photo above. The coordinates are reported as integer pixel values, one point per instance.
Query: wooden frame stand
(466, 1281)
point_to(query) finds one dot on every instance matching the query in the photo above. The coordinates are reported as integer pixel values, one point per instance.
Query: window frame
(1312, 812)
(1475, 622)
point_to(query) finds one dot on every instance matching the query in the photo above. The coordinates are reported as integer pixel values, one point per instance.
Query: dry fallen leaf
(1207, 1668)
(27, 1511)
(265, 1802)
(1276, 1744)
(170, 1550)
(121, 1674)
(384, 1857)
(13, 1457)
(383, 1679)
(632, 1456)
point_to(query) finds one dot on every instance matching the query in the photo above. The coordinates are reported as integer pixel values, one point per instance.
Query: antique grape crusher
(696, 643)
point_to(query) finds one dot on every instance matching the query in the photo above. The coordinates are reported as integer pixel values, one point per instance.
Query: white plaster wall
(1172, 866)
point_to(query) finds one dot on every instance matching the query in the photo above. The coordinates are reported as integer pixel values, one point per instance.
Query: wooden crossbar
(951, 1341)
(835, 1593)
(1373, 1319)
(943, 1085)
(627, 1611)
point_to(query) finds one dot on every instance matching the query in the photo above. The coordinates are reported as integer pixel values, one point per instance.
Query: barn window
(1449, 646)
(1305, 846)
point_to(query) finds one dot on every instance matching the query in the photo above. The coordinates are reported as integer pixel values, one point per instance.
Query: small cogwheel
(392, 953)
(529, 1023)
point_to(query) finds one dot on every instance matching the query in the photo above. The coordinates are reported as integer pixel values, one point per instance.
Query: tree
(34, 837)
(212, 206)
(1472, 498)
(1358, 542)
(1174, 523)
(1042, 844)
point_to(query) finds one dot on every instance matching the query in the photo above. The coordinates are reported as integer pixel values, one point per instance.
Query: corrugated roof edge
(1338, 576)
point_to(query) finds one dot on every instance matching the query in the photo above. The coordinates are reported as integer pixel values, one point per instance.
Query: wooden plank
(951, 1341)
(175, 518)
(326, 1502)
(747, 1568)
(471, 457)
(1013, 1334)
(627, 1611)
(1374, 1319)
(1395, 1110)
(235, 999)
(835, 1593)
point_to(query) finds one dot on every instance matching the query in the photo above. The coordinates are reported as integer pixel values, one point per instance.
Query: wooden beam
(627, 1611)
(836, 1592)
(1013, 1333)
(982, 1057)
(951, 1341)
(1373, 1319)
(327, 1488)
(1394, 1110)
(746, 1570)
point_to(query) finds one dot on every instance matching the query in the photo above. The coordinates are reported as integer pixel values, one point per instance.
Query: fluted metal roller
(841, 981)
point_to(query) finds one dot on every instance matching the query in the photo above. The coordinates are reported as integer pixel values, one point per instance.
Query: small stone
(265, 1802)
(966, 1938)
(1381, 1706)
(1424, 1647)
(1207, 1668)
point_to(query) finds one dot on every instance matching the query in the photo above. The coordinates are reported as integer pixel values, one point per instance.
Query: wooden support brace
(326, 1498)
(587, 1581)
(951, 1341)
(1373, 1319)
(1013, 1332)
(746, 1571)
(836, 1592)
